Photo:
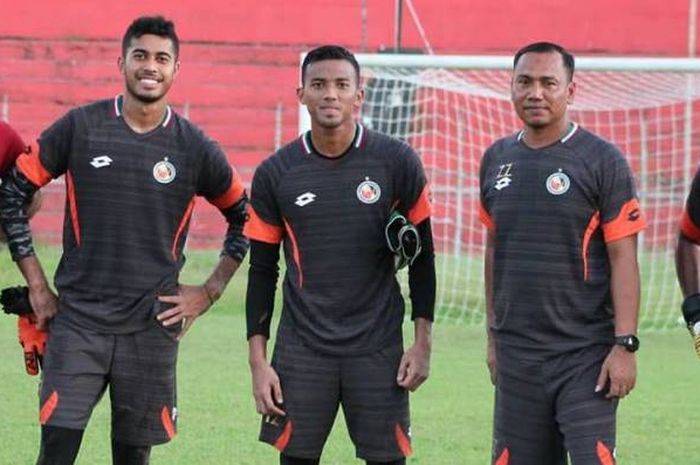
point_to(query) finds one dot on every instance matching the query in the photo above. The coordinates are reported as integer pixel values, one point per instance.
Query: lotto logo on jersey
(558, 183)
(164, 172)
(504, 176)
(368, 191)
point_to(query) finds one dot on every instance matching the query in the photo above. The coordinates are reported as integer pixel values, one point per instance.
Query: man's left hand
(414, 367)
(190, 303)
(620, 369)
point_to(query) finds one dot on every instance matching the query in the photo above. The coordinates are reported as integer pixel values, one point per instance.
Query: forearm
(422, 333)
(33, 273)
(262, 284)
(624, 284)
(421, 276)
(257, 350)
(218, 280)
(235, 243)
(15, 195)
(687, 259)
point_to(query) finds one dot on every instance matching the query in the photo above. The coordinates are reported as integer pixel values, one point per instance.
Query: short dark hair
(330, 52)
(547, 47)
(156, 25)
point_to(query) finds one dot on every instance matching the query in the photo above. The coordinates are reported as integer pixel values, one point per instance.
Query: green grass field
(451, 413)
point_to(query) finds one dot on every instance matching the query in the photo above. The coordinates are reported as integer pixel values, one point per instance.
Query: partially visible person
(11, 146)
(688, 261)
(133, 168)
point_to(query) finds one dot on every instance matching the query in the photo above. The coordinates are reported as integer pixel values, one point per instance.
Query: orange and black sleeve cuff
(421, 209)
(628, 222)
(29, 164)
(233, 194)
(689, 229)
(257, 229)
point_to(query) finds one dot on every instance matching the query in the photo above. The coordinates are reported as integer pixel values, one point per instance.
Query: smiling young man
(562, 281)
(132, 168)
(326, 197)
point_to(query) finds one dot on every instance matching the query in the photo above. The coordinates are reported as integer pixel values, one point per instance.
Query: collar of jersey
(568, 134)
(357, 140)
(119, 104)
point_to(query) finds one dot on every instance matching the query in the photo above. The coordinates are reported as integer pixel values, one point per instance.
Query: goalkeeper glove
(15, 300)
(402, 239)
(691, 314)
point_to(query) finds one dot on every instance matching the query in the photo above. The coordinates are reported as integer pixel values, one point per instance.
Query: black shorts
(546, 409)
(139, 369)
(314, 385)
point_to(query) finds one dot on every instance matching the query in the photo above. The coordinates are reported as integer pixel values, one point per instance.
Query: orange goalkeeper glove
(33, 341)
(15, 301)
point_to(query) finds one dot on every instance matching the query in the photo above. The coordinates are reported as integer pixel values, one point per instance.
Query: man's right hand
(491, 359)
(267, 390)
(45, 305)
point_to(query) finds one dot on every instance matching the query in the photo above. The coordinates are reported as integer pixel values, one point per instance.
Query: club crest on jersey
(164, 172)
(368, 191)
(558, 183)
(504, 176)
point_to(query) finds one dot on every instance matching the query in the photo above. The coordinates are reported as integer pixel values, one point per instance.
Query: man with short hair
(133, 168)
(327, 198)
(561, 274)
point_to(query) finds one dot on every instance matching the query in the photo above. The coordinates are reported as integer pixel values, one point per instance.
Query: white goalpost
(451, 108)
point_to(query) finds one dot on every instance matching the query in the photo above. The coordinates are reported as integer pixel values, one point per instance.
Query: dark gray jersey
(340, 291)
(552, 210)
(129, 202)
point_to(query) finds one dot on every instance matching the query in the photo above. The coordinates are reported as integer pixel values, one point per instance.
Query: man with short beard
(132, 168)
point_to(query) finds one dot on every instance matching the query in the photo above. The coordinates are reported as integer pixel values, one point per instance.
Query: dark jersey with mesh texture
(129, 201)
(340, 291)
(551, 211)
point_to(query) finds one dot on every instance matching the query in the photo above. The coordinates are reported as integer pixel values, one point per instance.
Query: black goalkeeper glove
(691, 315)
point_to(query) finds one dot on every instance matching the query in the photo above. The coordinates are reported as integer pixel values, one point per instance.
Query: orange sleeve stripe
(295, 252)
(232, 195)
(181, 228)
(629, 221)
(73, 206)
(421, 209)
(689, 229)
(29, 164)
(486, 218)
(592, 226)
(48, 408)
(257, 229)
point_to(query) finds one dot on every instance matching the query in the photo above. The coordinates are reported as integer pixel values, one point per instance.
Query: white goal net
(452, 108)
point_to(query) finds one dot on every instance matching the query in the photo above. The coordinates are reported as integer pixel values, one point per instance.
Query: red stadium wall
(240, 58)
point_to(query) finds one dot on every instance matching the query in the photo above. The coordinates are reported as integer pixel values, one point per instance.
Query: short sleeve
(414, 194)
(620, 212)
(265, 222)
